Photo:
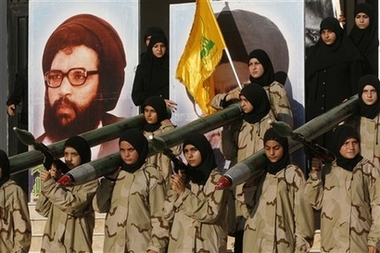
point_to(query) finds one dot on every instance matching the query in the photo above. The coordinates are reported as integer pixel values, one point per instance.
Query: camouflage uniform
(370, 136)
(70, 217)
(250, 141)
(15, 229)
(198, 218)
(159, 160)
(279, 218)
(350, 206)
(133, 203)
(278, 99)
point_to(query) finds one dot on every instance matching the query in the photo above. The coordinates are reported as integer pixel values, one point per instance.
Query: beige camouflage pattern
(278, 99)
(370, 139)
(198, 217)
(279, 218)
(134, 207)
(159, 160)
(15, 228)
(70, 217)
(250, 141)
(350, 206)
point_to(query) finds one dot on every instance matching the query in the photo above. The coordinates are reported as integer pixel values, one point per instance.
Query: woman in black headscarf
(152, 74)
(369, 121)
(345, 191)
(157, 121)
(16, 232)
(332, 72)
(196, 210)
(279, 219)
(133, 196)
(261, 72)
(364, 34)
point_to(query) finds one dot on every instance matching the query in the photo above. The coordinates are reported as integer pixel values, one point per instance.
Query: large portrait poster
(82, 60)
(274, 26)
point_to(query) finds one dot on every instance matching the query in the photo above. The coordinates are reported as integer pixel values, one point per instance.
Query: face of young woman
(362, 20)
(328, 37)
(369, 95)
(159, 49)
(192, 155)
(246, 106)
(273, 151)
(256, 69)
(350, 148)
(128, 153)
(150, 114)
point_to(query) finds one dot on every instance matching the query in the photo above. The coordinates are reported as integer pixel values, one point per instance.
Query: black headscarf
(200, 174)
(340, 135)
(81, 146)
(369, 111)
(366, 40)
(156, 68)
(5, 168)
(153, 30)
(140, 143)
(273, 168)
(268, 77)
(343, 50)
(257, 96)
(159, 105)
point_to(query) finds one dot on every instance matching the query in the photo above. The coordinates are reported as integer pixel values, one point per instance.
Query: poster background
(286, 15)
(47, 15)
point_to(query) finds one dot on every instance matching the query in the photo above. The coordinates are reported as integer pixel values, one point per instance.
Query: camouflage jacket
(133, 203)
(278, 99)
(198, 217)
(15, 228)
(159, 160)
(279, 218)
(350, 206)
(70, 216)
(370, 139)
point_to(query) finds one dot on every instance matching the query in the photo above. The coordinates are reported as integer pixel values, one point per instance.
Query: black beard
(84, 121)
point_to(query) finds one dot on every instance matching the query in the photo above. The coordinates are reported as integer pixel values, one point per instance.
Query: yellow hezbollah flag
(202, 54)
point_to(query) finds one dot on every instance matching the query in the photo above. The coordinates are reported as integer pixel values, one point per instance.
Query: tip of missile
(14, 128)
(65, 180)
(223, 183)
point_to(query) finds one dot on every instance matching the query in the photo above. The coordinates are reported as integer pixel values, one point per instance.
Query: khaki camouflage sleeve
(102, 199)
(43, 204)
(374, 233)
(205, 209)
(304, 217)
(314, 190)
(217, 101)
(171, 197)
(281, 104)
(22, 226)
(246, 201)
(160, 226)
(70, 201)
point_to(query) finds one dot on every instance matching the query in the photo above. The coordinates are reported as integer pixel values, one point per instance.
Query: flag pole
(233, 67)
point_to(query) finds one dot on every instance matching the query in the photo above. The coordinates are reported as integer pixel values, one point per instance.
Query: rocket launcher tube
(158, 143)
(26, 160)
(323, 123)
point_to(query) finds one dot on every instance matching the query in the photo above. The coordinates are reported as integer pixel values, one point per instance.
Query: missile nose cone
(25, 137)
(223, 183)
(65, 180)
(282, 128)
